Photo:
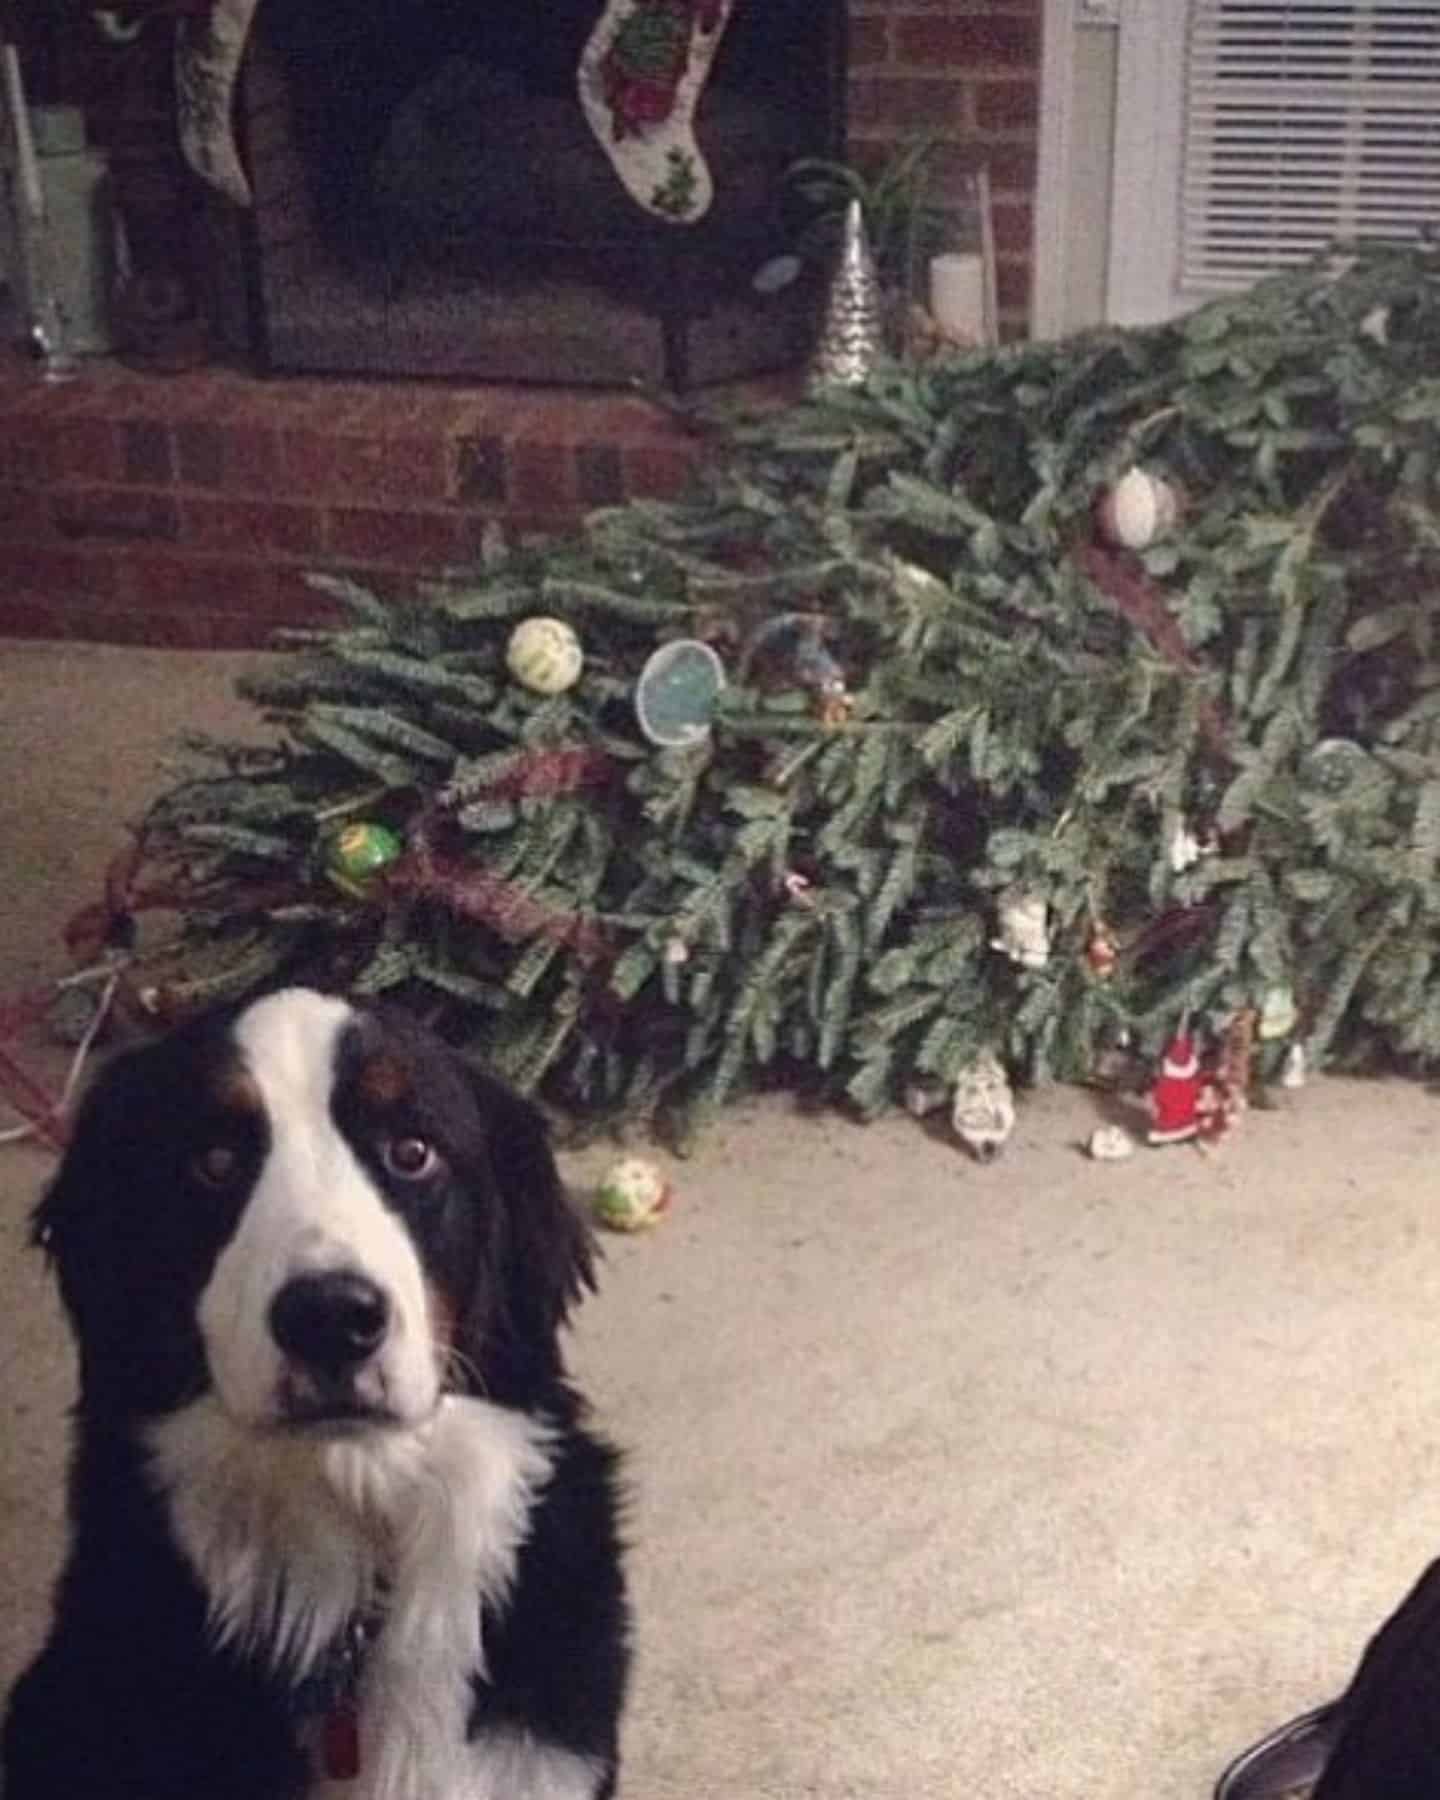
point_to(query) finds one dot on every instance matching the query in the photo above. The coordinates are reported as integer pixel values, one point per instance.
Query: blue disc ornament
(676, 694)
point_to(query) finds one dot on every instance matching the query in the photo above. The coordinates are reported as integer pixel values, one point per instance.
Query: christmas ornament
(798, 889)
(357, 854)
(1175, 1096)
(1024, 931)
(1218, 1110)
(1101, 953)
(544, 655)
(1110, 1143)
(790, 650)
(1278, 1014)
(209, 48)
(1336, 764)
(632, 1196)
(815, 667)
(852, 334)
(1293, 1073)
(1229, 1096)
(1138, 509)
(983, 1113)
(834, 704)
(641, 74)
(676, 952)
(1185, 849)
(677, 691)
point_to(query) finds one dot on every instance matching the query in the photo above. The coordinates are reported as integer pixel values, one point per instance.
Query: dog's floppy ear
(88, 1226)
(74, 1221)
(542, 1252)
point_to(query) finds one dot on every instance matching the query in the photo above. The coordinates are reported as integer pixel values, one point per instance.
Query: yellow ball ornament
(544, 655)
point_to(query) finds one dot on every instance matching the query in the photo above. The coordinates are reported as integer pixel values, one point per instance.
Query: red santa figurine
(1175, 1097)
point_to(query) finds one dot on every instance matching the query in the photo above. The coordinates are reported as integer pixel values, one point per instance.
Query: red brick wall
(968, 72)
(186, 510)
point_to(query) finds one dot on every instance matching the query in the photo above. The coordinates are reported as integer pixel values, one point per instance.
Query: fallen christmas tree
(976, 780)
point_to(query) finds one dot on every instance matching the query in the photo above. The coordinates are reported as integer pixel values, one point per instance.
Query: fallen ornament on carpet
(1110, 1143)
(1174, 1099)
(983, 1113)
(632, 1196)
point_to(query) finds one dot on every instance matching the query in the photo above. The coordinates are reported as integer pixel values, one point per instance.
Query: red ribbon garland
(474, 893)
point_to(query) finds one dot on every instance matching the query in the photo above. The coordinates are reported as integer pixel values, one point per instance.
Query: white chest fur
(503, 1767)
(290, 1537)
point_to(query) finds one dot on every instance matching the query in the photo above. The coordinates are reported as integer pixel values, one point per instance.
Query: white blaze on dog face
(313, 1209)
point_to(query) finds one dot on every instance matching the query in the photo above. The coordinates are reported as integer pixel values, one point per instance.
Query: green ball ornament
(544, 655)
(632, 1196)
(357, 854)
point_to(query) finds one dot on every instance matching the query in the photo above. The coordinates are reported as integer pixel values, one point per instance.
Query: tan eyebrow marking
(233, 1088)
(384, 1080)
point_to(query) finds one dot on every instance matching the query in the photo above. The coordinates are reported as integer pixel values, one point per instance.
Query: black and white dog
(337, 1528)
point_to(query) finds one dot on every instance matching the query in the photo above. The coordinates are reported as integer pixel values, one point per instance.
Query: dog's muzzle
(329, 1325)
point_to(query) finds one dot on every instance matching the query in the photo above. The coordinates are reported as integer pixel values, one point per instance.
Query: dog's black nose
(330, 1321)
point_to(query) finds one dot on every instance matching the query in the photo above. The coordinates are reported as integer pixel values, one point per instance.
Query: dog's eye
(409, 1158)
(217, 1166)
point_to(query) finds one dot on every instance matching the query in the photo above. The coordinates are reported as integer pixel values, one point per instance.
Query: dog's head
(315, 1212)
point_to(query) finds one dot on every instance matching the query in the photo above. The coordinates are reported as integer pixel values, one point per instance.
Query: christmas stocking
(208, 51)
(640, 77)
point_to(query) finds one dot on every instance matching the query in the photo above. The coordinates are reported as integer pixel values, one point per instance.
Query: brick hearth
(184, 510)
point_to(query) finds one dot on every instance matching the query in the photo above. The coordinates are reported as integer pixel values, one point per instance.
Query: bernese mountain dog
(338, 1527)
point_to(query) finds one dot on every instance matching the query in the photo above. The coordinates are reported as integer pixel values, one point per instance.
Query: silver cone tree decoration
(852, 335)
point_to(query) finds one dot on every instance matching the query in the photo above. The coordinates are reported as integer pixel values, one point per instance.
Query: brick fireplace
(185, 509)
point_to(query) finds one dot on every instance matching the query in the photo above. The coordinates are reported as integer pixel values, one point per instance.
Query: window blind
(1305, 121)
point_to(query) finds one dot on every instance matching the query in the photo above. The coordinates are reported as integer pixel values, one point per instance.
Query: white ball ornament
(1138, 509)
(544, 655)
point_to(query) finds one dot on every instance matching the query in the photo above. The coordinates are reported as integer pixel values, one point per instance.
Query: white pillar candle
(957, 294)
(27, 166)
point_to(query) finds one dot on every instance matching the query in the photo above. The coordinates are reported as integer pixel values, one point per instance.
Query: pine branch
(1029, 709)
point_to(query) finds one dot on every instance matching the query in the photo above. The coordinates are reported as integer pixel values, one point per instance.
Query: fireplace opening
(432, 195)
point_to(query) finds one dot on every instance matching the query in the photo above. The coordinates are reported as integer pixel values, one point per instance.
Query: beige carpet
(1039, 1482)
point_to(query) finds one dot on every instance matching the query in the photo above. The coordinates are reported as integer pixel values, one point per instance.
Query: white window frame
(1052, 192)
(1145, 192)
